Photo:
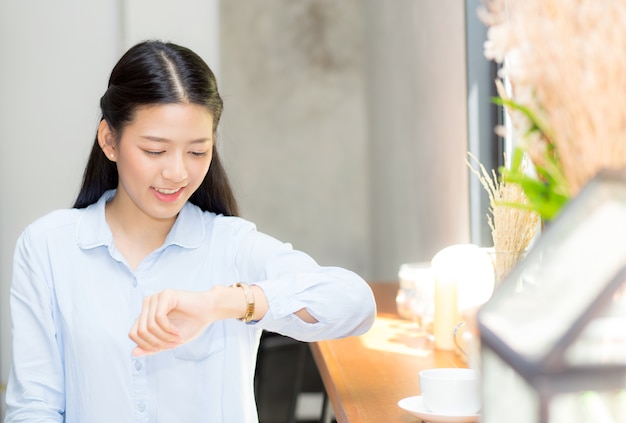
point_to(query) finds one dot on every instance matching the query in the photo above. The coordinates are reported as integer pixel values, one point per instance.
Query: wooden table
(365, 376)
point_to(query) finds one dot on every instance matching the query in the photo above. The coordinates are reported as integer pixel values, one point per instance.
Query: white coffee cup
(450, 391)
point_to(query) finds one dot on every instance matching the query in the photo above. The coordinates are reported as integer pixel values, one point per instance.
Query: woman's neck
(135, 233)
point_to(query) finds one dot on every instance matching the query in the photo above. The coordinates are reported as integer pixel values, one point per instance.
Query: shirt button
(138, 365)
(134, 283)
(141, 406)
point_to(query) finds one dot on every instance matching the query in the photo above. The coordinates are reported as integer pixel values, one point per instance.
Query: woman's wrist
(229, 302)
(249, 297)
(260, 302)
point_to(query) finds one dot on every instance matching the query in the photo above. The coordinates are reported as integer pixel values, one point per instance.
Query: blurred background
(346, 125)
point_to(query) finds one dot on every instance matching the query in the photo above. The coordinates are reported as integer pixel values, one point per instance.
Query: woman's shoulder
(233, 222)
(227, 226)
(240, 231)
(53, 221)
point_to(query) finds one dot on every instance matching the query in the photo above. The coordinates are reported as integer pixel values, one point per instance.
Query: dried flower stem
(512, 229)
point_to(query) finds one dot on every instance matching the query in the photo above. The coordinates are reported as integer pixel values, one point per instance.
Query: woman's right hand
(172, 317)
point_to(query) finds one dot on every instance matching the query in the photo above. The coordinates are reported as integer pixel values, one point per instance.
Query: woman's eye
(153, 153)
(199, 153)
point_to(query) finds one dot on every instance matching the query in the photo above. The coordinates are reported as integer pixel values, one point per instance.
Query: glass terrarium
(553, 335)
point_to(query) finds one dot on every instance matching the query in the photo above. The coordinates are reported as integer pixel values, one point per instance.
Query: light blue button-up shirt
(74, 300)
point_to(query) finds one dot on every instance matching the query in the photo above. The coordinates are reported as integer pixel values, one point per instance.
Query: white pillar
(416, 81)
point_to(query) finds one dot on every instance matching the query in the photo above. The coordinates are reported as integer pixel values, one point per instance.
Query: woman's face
(162, 157)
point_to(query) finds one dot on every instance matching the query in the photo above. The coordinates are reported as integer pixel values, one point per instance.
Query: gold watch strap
(247, 318)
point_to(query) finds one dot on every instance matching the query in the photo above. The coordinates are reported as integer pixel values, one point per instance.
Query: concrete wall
(345, 126)
(294, 130)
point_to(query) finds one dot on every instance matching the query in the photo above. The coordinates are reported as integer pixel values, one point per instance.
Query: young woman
(146, 301)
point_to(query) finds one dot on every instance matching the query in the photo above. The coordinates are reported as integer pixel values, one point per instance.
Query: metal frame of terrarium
(528, 336)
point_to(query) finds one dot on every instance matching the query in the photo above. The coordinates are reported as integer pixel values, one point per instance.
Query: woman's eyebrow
(161, 139)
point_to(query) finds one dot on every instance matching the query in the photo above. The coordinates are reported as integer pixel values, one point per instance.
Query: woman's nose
(175, 169)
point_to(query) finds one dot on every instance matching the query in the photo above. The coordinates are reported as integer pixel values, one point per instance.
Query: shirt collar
(93, 231)
(189, 229)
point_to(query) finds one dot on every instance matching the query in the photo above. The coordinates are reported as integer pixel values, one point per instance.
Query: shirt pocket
(209, 342)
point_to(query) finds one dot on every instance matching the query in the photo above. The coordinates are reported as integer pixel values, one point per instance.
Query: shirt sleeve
(35, 390)
(340, 300)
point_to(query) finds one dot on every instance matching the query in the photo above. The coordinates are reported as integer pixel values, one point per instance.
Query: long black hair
(154, 72)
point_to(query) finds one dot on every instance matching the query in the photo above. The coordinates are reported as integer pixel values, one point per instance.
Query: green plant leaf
(547, 193)
(537, 124)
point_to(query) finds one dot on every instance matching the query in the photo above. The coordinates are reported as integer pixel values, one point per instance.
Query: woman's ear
(106, 140)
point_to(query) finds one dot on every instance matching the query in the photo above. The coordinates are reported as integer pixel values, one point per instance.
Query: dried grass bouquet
(512, 228)
(566, 64)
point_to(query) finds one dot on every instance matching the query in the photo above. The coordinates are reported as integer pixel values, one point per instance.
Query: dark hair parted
(150, 73)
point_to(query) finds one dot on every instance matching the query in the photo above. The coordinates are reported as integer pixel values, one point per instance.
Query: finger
(138, 352)
(148, 332)
(160, 338)
(167, 302)
(137, 339)
(143, 336)
(159, 323)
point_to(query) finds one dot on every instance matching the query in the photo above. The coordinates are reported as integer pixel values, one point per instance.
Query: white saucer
(416, 407)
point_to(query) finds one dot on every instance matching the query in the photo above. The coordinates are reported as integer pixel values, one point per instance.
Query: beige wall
(56, 59)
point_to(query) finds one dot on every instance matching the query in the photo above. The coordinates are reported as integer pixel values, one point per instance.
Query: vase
(503, 263)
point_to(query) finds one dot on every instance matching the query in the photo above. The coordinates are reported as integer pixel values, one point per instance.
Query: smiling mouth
(167, 191)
